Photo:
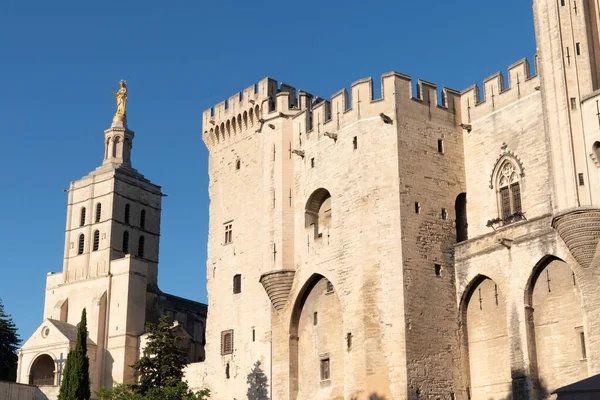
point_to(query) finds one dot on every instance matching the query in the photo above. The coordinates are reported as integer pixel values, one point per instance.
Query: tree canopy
(9, 344)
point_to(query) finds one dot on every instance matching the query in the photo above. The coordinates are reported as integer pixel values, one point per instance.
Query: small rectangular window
(573, 103)
(417, 207)
(312, 162)
(355, 142)
(440, 146)
(237, 284)
(444, 214)
(325, 375)
(562, 3)
(315, 318)
(228, 233)
(581, 180)
(437, 269)
(578, 48)
(227, 342)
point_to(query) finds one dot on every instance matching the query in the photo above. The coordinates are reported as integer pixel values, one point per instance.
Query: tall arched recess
(556, 334)
(485, 327)
(317, 342)
(460, 208)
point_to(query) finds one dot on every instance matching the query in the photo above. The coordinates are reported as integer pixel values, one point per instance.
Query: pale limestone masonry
(110, 269)
(410, 247)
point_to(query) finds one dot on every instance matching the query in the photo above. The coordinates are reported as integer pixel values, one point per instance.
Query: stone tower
(110, 269)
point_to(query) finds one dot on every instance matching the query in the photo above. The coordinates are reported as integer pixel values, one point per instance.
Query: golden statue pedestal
(119, 121)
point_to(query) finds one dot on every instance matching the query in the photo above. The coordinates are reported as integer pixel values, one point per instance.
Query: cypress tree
(9, 343)
(76, 375)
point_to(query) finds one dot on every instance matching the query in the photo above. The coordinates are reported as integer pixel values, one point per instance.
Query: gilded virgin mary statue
(121, 96)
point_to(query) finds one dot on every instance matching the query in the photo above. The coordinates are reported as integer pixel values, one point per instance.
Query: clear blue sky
(60, 60)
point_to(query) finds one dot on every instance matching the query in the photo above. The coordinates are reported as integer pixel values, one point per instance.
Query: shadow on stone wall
(520, 388)
(258, 384)
(373, 396)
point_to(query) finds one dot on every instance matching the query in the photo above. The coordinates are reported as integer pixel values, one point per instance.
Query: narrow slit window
(238, 164)
(253, 335)
(81, 245)
(312, 162)
(578, 48)
(582, 344)
(355, 142)
(315, 318)
(444, 214)
(581, 180)
(237, 284)
(325, 373)
(441, 146)
(127, 213)
(125, 246)
(573, 103)
(96, 240)
(437, 269)
(98, 212)
(141, 243)
(82, 217)
(417, 207)
(143, 219)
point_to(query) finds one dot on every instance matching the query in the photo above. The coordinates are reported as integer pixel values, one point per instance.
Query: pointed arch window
(98, 212)
(127, 213)
(82, 217)
(96, 240)
(126, 242)
(141, 244)
(143, 219)
(509, 193)
(81, 244)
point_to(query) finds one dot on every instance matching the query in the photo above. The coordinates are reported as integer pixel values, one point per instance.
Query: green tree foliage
(162, 362)
(76, 375)
(177, 392)
(9, 343)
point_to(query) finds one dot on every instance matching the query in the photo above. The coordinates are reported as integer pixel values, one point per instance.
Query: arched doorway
(487, 341)
(317, 343)
(556, 332)
(42, 371)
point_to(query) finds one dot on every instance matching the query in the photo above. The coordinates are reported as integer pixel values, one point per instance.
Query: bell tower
(113, 211)
(568, 47)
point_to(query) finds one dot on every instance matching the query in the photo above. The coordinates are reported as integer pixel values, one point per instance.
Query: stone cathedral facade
(410, 245)
(110, 269)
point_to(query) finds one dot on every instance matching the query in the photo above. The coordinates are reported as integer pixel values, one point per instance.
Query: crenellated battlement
(345, 108)
(245, 111)
(521, 83)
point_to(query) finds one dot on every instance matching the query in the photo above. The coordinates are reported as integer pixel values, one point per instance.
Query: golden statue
(121, 96)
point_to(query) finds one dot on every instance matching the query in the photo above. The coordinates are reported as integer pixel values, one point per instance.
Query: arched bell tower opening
(42, 371)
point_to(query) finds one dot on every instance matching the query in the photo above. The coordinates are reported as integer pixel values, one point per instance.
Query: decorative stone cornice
(278, 285)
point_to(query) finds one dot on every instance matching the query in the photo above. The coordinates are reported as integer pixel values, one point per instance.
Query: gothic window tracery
(509, 192)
